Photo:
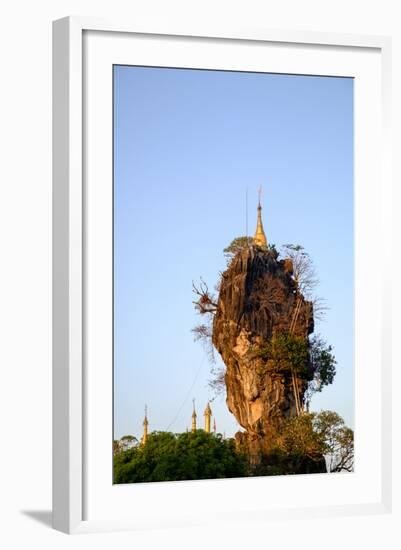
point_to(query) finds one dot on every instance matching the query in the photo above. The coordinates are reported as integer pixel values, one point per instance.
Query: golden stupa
(260, 237)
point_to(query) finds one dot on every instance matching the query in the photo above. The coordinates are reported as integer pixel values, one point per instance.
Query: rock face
(258, 300)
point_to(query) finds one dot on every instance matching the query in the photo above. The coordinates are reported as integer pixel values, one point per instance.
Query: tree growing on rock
(305, 276)
(236, 245)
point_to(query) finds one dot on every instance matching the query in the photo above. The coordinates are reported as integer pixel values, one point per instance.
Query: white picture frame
(71, 332)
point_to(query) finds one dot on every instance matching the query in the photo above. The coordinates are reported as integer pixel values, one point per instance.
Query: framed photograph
(220, 206)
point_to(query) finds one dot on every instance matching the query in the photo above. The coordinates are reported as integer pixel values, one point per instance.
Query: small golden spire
(260, 237)
(193, 416)
(208, 415)
(145, 427)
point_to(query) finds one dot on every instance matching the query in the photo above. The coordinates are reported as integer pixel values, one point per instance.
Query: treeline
(199, 455)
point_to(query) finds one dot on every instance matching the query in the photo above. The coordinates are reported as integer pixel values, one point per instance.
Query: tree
(305, 276)
(237, 245)
(116, 447)
(203, 334)
(218, 381)
(338, 441)
(299, 438)
(323, 366)
(313, 435)
(124, 443)
(128, 441)
(284, 352)
(303, 270)
(205, 305)
(312, 359)
(174, 457)
(240, 243)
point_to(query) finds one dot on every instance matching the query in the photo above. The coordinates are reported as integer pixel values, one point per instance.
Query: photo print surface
(233, 274)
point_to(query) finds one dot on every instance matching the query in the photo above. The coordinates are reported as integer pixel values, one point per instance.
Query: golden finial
(193, 416)
(208, 415)
(260, 237)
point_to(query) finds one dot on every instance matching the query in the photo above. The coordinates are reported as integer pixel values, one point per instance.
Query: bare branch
(319, 308)
(203, 333)
(206, 302)
(218, 383)
(304, 272)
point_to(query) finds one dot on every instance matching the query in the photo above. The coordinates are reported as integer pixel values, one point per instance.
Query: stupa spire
(260, 236)
(193, 416)
(208, 416)
(145, 426)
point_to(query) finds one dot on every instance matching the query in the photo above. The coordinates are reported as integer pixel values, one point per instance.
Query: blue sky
(187, 146)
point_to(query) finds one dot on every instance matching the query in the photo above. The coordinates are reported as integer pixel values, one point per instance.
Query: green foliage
(116, 446)
(236, 245)
(314, 435)
(338, 440)
(311, 442)
(285, 351)
(240, 243)
(312, 359)
(300, 438)
(124, 443)
(174, 457)
(322, 361)
(305, 444)
(298, 448)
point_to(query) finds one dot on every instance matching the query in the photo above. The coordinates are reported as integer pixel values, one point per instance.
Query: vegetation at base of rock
(338, 440)
(278, 463)
(175, 457)
(311, 436)
(299, 438)
(309, 443)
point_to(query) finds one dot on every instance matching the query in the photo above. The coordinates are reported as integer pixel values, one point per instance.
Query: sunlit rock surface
(257, 299)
